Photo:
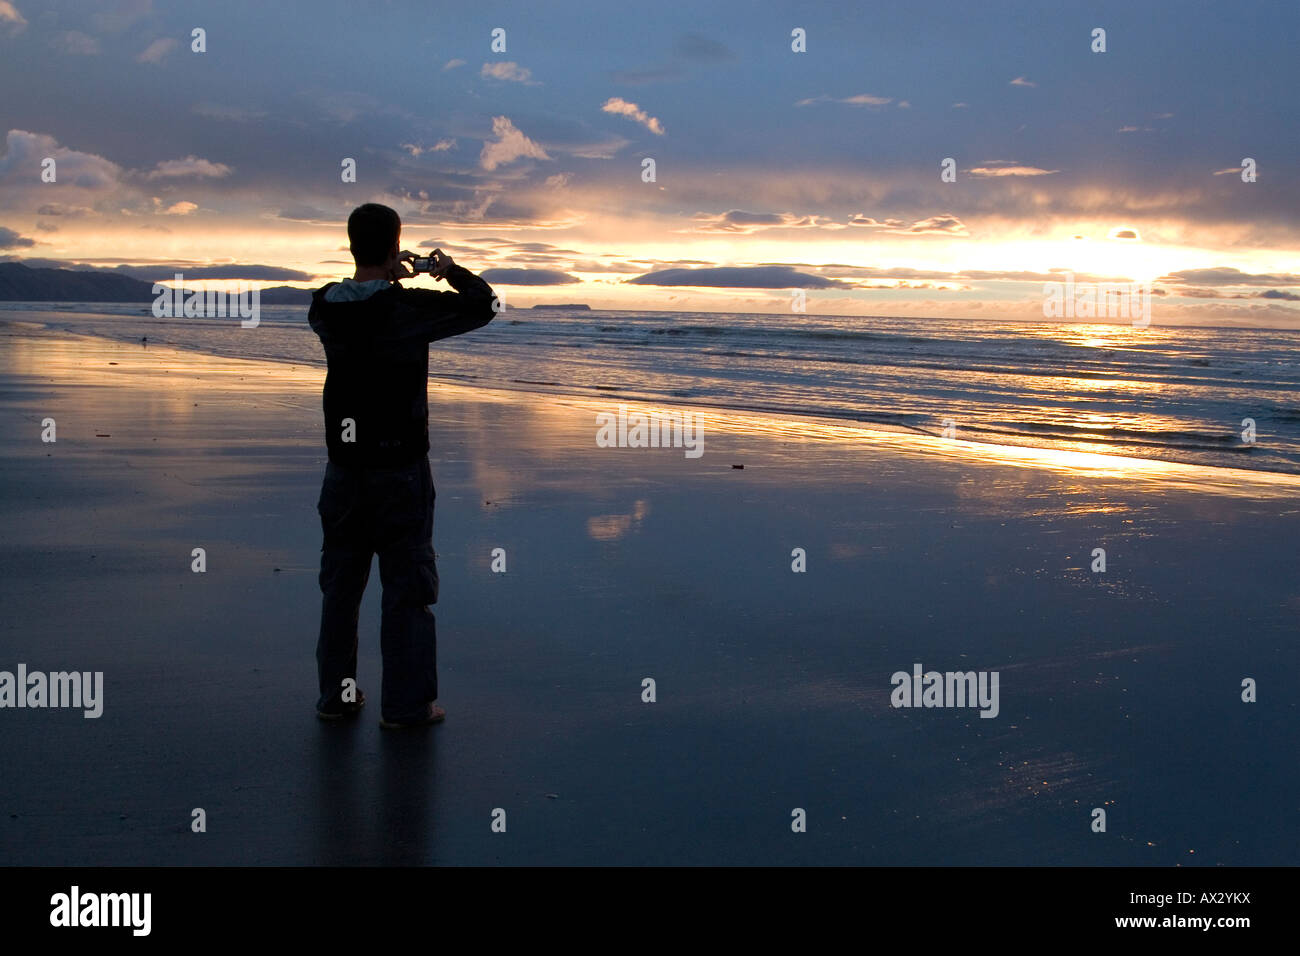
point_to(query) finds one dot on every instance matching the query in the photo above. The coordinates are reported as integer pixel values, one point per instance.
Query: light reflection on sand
(614, 527)
(1071, 461)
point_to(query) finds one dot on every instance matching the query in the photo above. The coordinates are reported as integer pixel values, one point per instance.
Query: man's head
(373, 232)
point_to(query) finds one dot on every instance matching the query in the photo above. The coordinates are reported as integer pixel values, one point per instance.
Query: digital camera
(423, 264)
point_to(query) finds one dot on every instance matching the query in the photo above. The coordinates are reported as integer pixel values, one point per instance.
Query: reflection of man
(378, 495)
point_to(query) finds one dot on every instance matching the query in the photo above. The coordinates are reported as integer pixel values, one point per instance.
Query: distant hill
(285, 295)
(577, 306)
(20, 283)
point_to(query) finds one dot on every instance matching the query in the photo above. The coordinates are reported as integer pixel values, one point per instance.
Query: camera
(427, 264)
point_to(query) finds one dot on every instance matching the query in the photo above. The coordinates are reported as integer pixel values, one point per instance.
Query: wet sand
(1119, 690)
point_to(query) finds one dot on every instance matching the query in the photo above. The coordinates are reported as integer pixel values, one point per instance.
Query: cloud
(439, 147)
(859, 99)
(11, 240)
(25, 151)
(452, 64)
(870, 223)
(867, 99)
(739, 277)
(599, 149)
(59, 209)
(1009, 170)
(527, 277)
(232, 271)
(156, 51)
(571, 136)
(1125, 234)
(509, 71)
(693, 46)
(510, 145)
(622, 107)
(740, 221)
(11, 21)
(908, 277)
(1225, 275)
(946, 224)
(558, 181)
(75, 43)
(189, 166)
(166, 271)
(1227, 172)
(542, 247)
(182, 208)
(1021, 81)
(741, 218)
(1277, 295)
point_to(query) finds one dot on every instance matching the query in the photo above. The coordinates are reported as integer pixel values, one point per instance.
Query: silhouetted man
(378, 495)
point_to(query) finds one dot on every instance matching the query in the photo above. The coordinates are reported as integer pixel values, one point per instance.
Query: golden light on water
(559, 425)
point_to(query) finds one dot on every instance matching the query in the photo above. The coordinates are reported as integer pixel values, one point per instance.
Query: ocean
(1225, 397)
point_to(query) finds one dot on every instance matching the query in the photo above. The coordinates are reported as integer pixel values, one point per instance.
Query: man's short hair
(372, 231)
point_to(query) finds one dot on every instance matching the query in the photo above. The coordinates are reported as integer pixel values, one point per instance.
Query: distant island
(580, 307)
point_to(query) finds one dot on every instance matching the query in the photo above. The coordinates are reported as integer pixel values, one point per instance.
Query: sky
(516, 137)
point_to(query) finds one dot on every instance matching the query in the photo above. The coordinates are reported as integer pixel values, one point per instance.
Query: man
(378, 495)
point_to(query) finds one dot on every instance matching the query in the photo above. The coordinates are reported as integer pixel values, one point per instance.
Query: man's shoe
(339, 710)
(436, 715)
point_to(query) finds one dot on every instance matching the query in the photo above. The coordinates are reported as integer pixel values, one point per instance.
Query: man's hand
(399, 269)
(441, 263)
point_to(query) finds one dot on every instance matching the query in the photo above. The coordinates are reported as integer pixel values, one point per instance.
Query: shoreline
(1043, 320)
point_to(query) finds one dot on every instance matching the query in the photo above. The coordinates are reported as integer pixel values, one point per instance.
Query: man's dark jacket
(378, 354)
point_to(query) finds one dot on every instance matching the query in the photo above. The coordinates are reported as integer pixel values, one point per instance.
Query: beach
(1119, 690)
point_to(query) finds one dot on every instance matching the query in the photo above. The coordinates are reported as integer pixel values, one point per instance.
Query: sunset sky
(774, 169)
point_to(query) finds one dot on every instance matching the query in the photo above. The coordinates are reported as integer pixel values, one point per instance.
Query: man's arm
(445, 314)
